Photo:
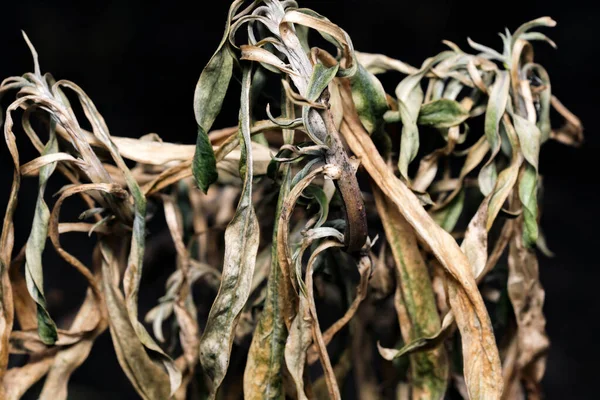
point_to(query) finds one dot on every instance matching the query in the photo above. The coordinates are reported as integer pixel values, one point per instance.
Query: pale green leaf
(369, 98)
(35, 246)
(443, 113)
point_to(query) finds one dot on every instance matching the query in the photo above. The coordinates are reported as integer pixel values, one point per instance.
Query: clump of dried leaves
(341, 250)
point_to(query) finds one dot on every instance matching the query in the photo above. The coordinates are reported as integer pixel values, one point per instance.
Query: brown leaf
(330, 379)
(482, 363)
(364, 269)
(414, 301)
(18, 380)
(527, 297)
(298, 341)
(241, 245)
(146, 375)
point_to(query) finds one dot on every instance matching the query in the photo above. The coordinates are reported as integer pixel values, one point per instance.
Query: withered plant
(328, 235)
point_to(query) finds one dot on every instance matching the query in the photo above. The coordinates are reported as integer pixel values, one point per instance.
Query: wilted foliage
(345, 242)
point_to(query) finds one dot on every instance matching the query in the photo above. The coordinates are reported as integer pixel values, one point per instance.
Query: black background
(139, 62)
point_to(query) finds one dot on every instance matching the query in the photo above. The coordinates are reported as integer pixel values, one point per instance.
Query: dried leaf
(340, 370)
(527, 297)
(19, 379)
(289, 280)
(448, 216)
(542, 21)
(364, 269)
(133, 272)
(330, 379)
(262, 376)
(147, 377)
(241, 246)
(379, 63)
(329, 31)
(298, 341)
(6, 247)
(69, 359)
(482, 363)
(414, 301)
(35, 247)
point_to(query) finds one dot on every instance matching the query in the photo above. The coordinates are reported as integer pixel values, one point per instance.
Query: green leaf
(448, 216)
(529, 139)
(487, 178)
(442, 113)
(410, 97)
(409, 106)
(319, 80)
(528, 196)
(369, 98)
(496, 107)
(204, 164)
(208, 100)
(409, 140)
(241, 246)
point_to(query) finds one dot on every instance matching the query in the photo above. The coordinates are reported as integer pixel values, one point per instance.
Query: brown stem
(354, 206)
